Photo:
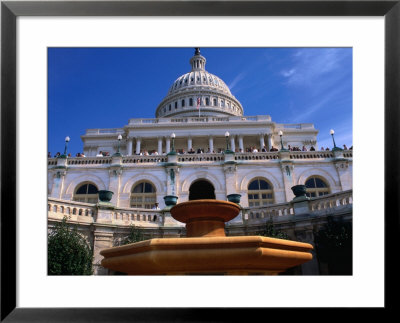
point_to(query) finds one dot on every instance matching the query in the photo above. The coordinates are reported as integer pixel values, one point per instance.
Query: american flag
(198, 102)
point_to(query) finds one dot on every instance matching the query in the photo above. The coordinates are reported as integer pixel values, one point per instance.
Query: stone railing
(332, 201)
(348, 153)
(51, 161)
(86, 212)
(206, 119)
(257, 156)
(88, 161)
(311, 154)
(206, 157)
(105, 131)
(144, 159)
(141, 217)
(200, 157)
(75, 211)
(267, 212)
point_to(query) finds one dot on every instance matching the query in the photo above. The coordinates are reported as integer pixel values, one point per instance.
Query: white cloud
(288, 73)
(236, 80)
(309, 64)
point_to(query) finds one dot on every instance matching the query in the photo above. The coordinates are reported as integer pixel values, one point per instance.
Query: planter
(105, 196)
(234, 198)
(299, 190)
(170, 200)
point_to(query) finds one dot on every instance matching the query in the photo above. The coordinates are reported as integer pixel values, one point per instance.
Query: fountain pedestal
(206, 250)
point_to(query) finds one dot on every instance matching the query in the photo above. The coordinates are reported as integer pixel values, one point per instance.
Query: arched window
(316, 186)
(191, 102)
(143, 195)
(201, 189)
(86, 192)
(207, 101)
(183, 103)
(260, 192)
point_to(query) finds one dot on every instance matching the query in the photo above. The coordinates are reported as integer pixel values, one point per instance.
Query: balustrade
(332, 201)
(142, 216)
(257, 156)
(206, 157)
(311, 154)
(60, 208)
(144, 159)
(267, 212)
(89, 160)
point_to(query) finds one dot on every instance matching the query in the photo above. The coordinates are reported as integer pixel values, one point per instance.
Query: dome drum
(211, 101)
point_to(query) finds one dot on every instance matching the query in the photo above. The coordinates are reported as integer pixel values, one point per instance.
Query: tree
(68, 252)
(334, 246)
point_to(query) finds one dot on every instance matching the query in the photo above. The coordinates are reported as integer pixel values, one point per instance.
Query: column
(114, 182)
(58, 178)
(58, 183)
(270, 143)
(233, 143)
(241, 143)
(287, 169)
(262, 142)
(189, 143)
(344, 174)
(211, 143)
(103, 239)
(159, 150)
(138, 143)
(129, 143)
(168, 145)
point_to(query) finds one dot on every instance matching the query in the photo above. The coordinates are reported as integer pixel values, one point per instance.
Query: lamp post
(280, 135)
(67, 139)
(227, 151)
(119, 142)
(117, 154)
(173, 142)
(332, 132)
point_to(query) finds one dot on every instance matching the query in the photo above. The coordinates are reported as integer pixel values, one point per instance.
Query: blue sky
(105, 87)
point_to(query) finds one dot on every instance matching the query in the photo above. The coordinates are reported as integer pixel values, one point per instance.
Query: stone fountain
(206, 250)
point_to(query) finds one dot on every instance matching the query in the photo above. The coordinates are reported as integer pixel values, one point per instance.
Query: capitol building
(200, 144)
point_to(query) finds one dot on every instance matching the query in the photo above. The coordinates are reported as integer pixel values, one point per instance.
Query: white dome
(199, 87)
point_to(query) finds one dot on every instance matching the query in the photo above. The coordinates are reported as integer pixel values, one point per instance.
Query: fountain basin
(207, 255)
(205, 218)
(206, 249)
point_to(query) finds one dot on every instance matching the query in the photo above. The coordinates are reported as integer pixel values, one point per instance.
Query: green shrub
(135, 235)
(68, 252)
(270, 231)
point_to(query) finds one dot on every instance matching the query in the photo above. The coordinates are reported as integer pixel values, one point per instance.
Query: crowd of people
(251, 149)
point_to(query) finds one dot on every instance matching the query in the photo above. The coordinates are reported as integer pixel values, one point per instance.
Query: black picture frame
(10, 10)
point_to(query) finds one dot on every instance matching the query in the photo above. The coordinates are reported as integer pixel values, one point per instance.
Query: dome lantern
(198, 62)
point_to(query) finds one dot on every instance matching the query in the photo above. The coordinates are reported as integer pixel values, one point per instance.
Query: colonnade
(234, 139)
